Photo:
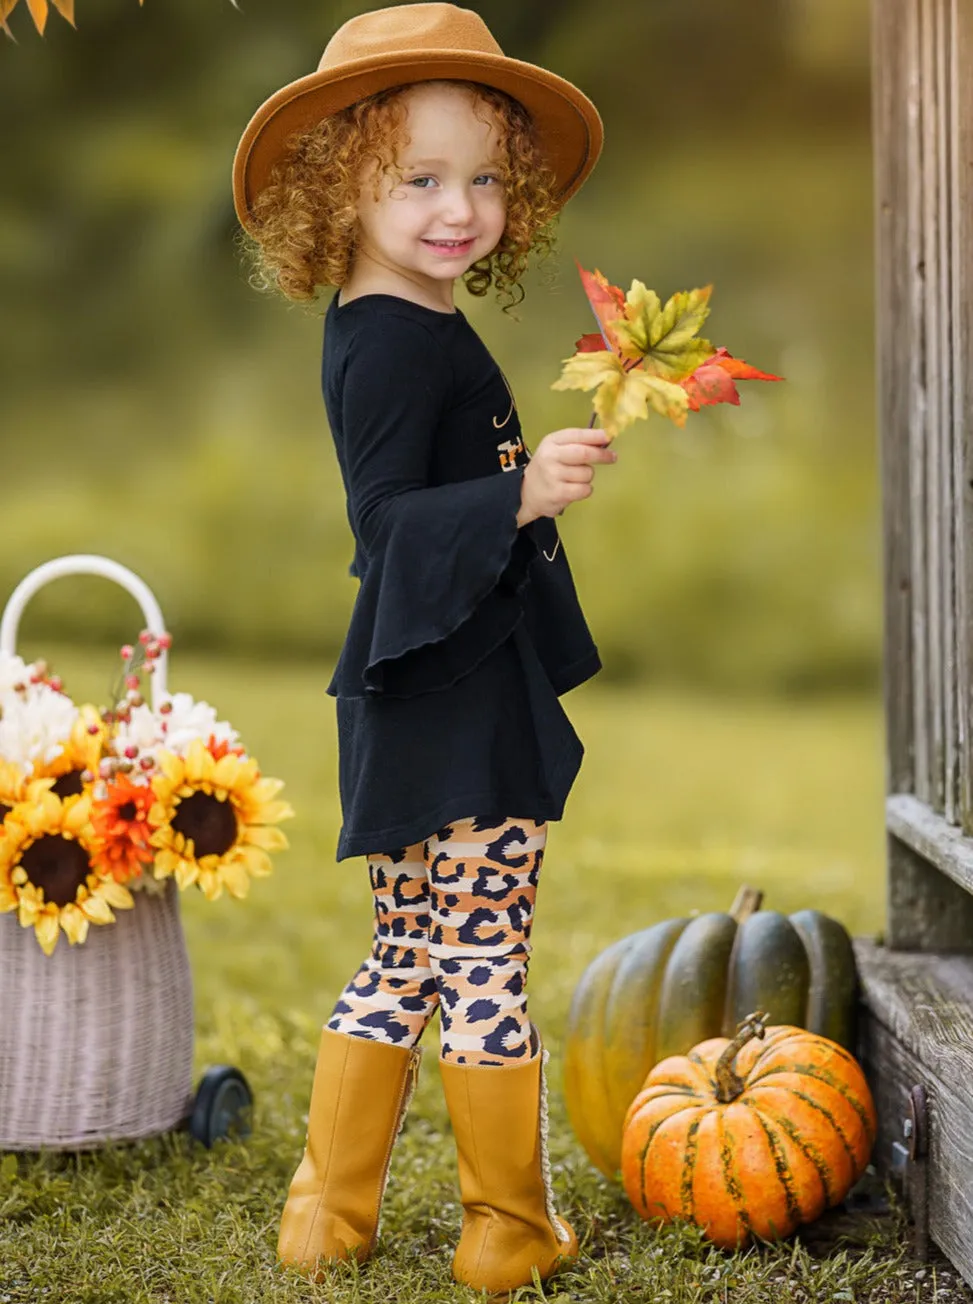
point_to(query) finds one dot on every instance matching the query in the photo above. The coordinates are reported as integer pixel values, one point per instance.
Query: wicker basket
(96, 1041)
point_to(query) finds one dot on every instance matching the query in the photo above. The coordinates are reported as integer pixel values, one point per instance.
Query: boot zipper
(409, 1084)
(413, 1073)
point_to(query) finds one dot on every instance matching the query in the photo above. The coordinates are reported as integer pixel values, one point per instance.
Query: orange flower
(122, 830)
(222, 748)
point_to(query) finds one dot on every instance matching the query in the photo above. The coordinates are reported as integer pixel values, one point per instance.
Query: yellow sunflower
(80, 751)
(213, 820)
(46, 874)
(15, 787)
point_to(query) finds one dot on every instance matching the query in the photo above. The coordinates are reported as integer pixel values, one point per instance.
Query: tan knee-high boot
(499, 1118)
(358, 1101)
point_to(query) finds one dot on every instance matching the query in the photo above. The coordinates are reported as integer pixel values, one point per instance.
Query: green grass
(679, 800)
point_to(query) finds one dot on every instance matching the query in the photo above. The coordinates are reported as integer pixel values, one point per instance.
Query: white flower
(143, 730)
(34, 727)
(12, 671)
(189, 720)
(152, 731)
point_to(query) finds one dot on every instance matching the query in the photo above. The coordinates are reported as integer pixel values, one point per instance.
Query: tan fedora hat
(409, 43)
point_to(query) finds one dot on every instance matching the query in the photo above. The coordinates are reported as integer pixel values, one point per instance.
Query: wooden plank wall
(895, 112)
(923, 131)
(961, 229)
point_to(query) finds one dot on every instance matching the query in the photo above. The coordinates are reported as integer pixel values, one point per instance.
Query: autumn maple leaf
(39, 10)
(607, 303)
(642, 349)
(649, 356)
(713, 381)
(622, 394)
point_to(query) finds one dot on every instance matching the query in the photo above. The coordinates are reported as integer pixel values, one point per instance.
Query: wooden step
(916, 1029)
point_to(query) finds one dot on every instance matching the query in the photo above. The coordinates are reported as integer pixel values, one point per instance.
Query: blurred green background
(154, 407)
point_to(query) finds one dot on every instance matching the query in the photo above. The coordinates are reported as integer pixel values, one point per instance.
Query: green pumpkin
(663, 990)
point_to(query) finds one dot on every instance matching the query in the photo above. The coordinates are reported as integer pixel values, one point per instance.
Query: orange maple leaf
(593, 343)
(607, 303)
(713, 381)
(39, 10)
(648, 356)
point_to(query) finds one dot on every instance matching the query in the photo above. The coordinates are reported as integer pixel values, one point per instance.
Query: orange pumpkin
(748, 1137)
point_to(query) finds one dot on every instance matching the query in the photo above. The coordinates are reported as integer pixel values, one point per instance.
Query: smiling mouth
(450, 244)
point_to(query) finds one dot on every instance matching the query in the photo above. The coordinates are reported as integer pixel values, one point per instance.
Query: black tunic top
(465, 629)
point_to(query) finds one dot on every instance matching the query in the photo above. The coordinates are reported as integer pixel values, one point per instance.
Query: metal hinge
(910, 1164)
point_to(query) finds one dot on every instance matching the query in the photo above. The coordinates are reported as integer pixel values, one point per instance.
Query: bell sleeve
(442, 565)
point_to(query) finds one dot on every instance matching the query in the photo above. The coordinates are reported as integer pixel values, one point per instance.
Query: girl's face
(449, 209)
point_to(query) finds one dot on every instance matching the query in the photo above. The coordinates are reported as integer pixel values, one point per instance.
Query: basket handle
(87, 564)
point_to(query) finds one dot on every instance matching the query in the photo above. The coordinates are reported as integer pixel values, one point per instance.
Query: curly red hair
(305, 221)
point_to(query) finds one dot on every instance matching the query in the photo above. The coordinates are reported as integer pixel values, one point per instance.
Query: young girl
(418, 155)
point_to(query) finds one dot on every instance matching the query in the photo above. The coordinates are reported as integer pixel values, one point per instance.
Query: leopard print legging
(452, 930)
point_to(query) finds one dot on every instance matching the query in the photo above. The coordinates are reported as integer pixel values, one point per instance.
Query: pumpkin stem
(747, 902)
(729, 1084)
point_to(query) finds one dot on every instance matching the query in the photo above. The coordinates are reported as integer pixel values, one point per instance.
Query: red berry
(127, 651)
(146, 762)
(165, 641)
(131, 681)
(131, 751)
(145, 636)
(166, 708)
(94, 728)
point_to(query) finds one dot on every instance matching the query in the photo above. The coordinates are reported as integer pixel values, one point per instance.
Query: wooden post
(917, 1000)
(896, 361)
(961, 173)
(924, 259)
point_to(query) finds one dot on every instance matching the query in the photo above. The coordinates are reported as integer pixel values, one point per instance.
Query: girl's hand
(561, 471)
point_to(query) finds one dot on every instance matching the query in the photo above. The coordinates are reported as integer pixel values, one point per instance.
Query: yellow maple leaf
(622, 394)
(664, 337)
(39, 9)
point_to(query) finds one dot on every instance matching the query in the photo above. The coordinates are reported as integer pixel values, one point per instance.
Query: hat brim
(568, 126)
